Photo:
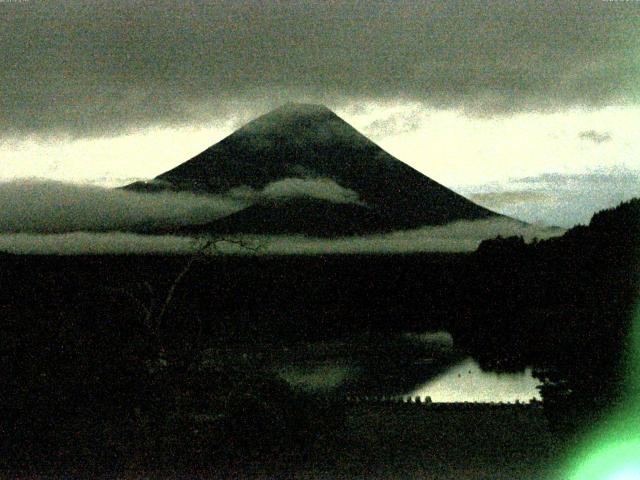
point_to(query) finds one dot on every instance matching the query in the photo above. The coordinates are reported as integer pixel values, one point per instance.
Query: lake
(409, 365)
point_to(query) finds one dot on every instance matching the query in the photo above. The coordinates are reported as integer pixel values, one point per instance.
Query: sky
(528, 108)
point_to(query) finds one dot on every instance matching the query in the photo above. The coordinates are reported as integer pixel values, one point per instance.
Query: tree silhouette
(563, 305)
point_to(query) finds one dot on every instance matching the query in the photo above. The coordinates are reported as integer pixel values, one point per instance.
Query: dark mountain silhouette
(312, 217)
(310, 141)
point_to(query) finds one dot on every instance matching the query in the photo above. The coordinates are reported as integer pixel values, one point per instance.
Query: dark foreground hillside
(104, 364)
(235, 299)
(465, 442)
(408, 441)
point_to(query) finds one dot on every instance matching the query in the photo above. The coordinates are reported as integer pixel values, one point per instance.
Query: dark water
(423, 365)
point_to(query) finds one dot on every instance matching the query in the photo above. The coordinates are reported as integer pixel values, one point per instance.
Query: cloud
(54, 217)
(464, 236)
(54, 207)
(396, 123)
(560, 199)
(509, 197)
(604, 179)
(101, 68)
(319, 188)
(79, 243)
(594, 136)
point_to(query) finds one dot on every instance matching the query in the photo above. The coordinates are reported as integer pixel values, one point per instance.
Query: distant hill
(311, 142)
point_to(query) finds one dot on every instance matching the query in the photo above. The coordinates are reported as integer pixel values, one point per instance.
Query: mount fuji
(298, 147)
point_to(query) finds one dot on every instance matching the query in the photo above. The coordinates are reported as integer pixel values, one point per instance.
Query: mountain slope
(310, 141)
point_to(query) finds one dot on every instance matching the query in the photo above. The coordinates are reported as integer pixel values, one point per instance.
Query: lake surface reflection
(467, 382)
(423, 365)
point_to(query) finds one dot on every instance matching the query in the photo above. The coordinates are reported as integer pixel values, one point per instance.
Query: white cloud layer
(53, 207)
(289, 188)
(463, 236)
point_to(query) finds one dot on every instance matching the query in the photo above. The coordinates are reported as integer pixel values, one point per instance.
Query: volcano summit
(300, 146)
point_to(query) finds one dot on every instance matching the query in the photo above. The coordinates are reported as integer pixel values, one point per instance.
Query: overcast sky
(530, 108)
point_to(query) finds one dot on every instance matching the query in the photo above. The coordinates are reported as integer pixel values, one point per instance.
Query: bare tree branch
(207, 244)
(153, 316)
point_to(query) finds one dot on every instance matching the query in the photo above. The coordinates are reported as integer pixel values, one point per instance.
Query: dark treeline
(101, 370)
(564, 306)
(242, 298)
(103, 364)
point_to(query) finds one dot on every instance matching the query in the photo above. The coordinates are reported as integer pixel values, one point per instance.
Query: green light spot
(612, 462)
(630, 473)
(612, 451)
